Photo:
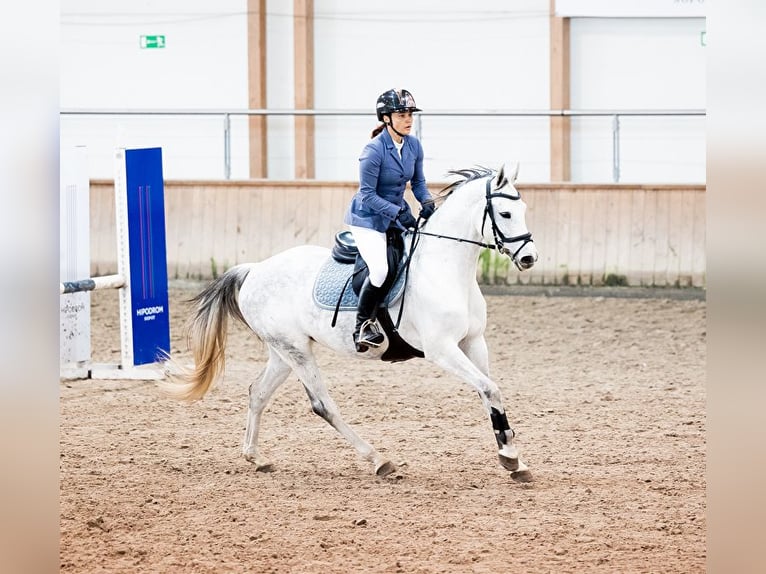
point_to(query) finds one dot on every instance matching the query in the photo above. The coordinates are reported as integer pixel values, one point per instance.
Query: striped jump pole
(141, 279)
(104, 282)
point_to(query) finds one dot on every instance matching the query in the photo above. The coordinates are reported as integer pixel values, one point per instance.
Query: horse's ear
(500, 179)
(503, 177)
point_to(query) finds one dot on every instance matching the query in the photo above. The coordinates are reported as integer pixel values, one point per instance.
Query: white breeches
(372, 248)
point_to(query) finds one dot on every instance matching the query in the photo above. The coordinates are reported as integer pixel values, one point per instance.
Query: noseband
(500, 239)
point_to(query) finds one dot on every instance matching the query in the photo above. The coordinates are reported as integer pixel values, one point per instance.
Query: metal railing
(226, 115)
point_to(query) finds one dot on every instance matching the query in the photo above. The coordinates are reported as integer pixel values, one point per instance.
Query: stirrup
(374, 337)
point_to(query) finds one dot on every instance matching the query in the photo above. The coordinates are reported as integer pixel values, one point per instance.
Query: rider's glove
(406, 220)
(427, 210)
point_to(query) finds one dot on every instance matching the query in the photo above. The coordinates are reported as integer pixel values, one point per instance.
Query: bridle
(499, 245)
(500, 239)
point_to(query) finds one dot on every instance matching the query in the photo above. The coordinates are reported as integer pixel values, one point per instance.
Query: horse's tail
(206, 336)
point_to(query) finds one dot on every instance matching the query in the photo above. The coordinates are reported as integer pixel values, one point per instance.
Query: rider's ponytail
(377, 130)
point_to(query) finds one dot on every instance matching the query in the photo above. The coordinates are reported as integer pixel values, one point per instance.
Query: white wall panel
(489, 55)
(203, 65)
(638, 63)
(280, 92)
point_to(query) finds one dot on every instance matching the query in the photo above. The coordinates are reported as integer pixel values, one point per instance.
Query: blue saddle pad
(333, 276)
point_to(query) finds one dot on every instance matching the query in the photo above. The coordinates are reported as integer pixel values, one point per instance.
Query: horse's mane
(464, 175)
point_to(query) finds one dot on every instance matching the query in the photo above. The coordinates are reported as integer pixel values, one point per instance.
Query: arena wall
(616, 234)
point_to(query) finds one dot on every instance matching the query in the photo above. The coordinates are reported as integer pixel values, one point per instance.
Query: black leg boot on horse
(367, 334)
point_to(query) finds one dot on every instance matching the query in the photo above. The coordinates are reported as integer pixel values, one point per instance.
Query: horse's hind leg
(304, 365)
(261, 390)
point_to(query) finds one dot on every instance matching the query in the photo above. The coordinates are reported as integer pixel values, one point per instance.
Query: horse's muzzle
(526, 262)
(525, 255)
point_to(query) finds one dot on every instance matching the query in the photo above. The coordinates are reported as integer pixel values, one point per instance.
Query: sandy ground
(607, 396)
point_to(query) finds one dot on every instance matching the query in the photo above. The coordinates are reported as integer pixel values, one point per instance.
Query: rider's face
(402, 122)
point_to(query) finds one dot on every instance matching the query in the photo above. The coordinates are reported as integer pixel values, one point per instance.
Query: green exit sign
(152, 42)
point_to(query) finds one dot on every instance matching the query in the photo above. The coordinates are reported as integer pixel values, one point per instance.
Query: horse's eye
(505, 214)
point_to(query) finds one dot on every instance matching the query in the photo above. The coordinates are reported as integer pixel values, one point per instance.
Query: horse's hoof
(260, 464)
(385, 469)
(522, 476)
(511, 464)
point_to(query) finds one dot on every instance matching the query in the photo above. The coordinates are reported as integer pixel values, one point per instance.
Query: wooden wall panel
(661, 258)
(229, 246)
(265, 213)
(576, 235)
(564, 200)
(699, 240)
(685, 238)
(201, 266)
(612, 225)
(175, 235)
(325, 214)
(193, 263)
(103, 249)
(651, 235)
(647, 229)
(541, 218)
(172, 233)
(637, 229)
(624, 201)
(286, 214)
(312, 207)
(243, 206)
(219, 258)
(599, 225)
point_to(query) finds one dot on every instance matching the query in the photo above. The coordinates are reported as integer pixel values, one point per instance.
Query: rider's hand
(406, 220)
(427, 210)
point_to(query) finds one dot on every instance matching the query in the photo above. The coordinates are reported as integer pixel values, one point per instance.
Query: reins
(406, 271)
(458, 239)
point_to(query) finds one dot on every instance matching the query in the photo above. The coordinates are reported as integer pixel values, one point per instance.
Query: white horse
(444, 312)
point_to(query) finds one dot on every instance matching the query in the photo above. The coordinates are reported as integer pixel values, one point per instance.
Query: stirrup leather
(375, 337)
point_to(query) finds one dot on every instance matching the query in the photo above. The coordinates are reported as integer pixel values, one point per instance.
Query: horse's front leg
(475, 348)
(470, 363)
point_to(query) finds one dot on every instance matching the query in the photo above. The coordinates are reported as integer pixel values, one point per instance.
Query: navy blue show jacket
(383, 176)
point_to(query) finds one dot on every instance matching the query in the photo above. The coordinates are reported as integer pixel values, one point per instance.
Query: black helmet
(395, 101)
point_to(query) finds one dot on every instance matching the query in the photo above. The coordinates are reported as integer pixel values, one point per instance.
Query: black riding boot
(366, 333)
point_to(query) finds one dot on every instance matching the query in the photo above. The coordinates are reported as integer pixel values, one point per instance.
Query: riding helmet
(395, 101)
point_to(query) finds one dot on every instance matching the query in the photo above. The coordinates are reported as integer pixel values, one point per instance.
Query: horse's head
(494, 198)
(504, 219)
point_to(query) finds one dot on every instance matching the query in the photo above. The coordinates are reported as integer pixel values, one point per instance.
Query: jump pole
(141, 278)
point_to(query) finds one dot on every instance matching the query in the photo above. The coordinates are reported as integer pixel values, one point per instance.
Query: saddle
(345, 252)
(331, 288)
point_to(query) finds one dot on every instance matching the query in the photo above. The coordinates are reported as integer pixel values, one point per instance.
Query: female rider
(391, 159)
